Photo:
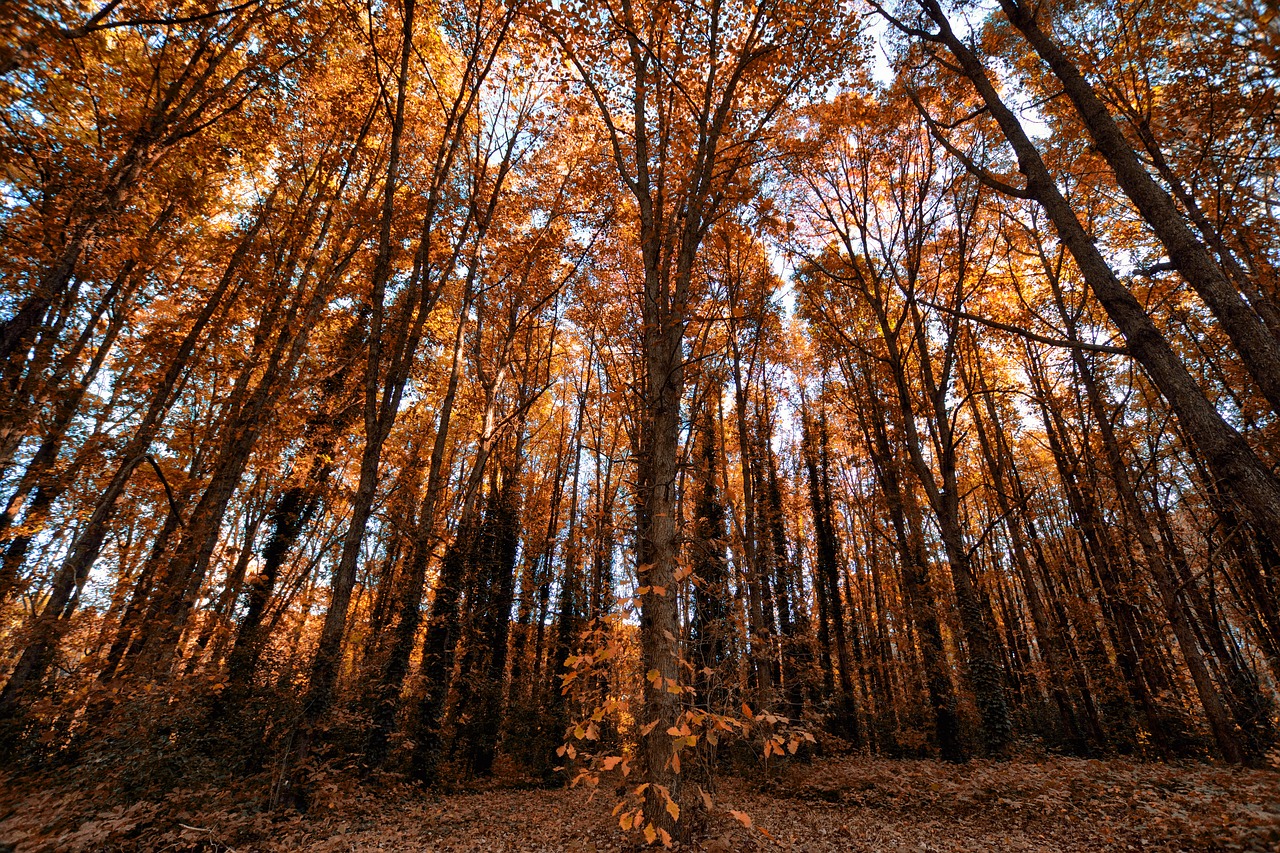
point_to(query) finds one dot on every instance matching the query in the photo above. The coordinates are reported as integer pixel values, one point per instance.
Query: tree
(686, 95)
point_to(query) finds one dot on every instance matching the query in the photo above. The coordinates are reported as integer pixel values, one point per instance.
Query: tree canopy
(636, 387)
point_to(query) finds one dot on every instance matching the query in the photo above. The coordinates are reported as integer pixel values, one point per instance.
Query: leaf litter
(838, 804)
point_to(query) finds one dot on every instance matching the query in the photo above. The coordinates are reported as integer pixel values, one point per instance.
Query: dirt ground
(849, 804)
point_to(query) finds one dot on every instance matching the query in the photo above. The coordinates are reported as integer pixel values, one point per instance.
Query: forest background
(634, 389)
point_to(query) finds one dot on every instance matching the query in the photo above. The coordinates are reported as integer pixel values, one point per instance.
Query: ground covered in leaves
(845, 804)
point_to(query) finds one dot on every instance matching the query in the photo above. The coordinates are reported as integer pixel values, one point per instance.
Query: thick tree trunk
(656, 549)
(1258, 348)
(1232, 461)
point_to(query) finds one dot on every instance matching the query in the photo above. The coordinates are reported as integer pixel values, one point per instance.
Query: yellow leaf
(673, 809)
(650, 834)
(611, 762)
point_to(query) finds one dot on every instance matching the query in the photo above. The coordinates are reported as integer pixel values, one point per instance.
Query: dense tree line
(449, 387)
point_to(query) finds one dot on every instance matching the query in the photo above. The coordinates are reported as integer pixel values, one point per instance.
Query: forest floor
(838, 804)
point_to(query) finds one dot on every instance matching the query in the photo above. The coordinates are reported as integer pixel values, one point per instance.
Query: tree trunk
(1230, 458)
(1258, 349)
